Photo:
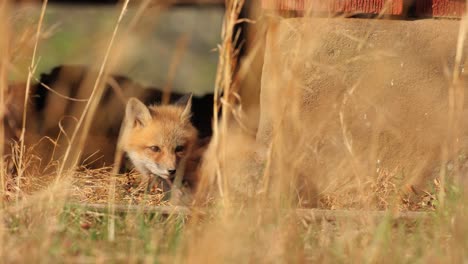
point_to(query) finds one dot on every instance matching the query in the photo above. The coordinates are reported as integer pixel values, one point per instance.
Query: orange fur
(158, 139)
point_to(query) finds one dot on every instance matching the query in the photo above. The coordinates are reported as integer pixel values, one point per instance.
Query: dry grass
(254, 183)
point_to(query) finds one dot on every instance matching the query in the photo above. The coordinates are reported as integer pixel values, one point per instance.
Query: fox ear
(136, 113)
(185, 102)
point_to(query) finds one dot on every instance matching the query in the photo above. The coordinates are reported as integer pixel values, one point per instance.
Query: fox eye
(179, 149)
(155, 148)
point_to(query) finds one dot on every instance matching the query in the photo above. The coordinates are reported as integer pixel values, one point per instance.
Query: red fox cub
(159, 138)
(52, 116)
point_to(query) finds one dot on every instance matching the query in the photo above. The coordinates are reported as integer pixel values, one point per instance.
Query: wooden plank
(440, 8)
(308, 214)
(189, 2)
(448, 8)
(120, 208)
(334, 215)
(138, 2)
(392, 7)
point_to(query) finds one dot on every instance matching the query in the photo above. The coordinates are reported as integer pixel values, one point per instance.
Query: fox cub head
(157, 138)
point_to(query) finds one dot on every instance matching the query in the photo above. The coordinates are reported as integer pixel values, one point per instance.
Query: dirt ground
(355, 97)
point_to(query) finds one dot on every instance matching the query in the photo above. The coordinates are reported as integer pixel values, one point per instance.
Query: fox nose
(171, 172)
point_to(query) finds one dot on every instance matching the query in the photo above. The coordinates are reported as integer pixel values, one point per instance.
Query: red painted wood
(441, 8)
(448, 8)
(394, 7)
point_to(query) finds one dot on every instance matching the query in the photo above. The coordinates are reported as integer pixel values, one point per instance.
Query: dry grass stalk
(456, 95)
(31, 71)
(4, 61)
(223, 92)
(181, 47)
(91, 104)
(255, 223)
